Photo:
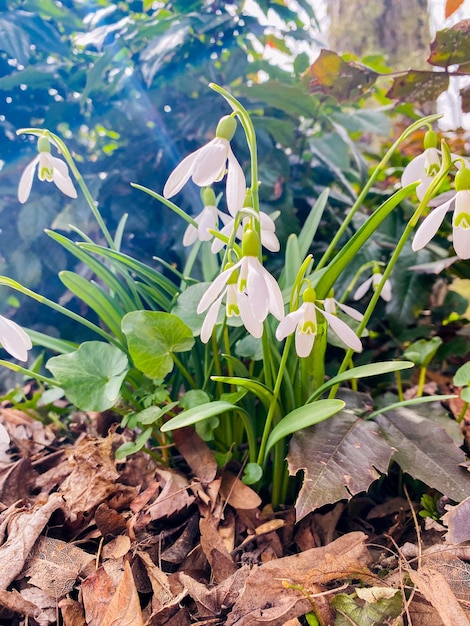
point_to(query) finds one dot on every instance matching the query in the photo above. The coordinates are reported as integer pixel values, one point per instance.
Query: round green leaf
(92, 375)
(152, 336)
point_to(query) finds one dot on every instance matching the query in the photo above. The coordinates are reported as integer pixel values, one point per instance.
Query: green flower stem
(462, 412)
(279, 455)
(360, 198)
(398, 378)
(183, 370)
(249, 129)
(250, 435)
(274, 407)
(60, 145)
(433, 188)
(29, 373)
(421, 381)
(8, 282)
(168, 203)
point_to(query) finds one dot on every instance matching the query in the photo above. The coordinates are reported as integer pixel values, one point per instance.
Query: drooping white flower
(208, 219)
(331, 305)
(460, 203)
(267, 230)
(50, 169)
(14, 339)
(373, 281)
(255, 295)
(209, 164)
(303, 322)
(424, 167)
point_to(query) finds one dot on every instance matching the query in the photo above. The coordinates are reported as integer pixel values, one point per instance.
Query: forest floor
(86, 540)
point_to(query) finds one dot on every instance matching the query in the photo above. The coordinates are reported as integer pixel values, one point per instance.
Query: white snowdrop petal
(180, 175)
(190, 235)
(236, 185)
(414, 171)
(14, 339)
(257, 288)
(210, 320)
(266, 222)
(289, 323)
(430, 226)
(349, 310)
(270, 241)
(362, 289)
(65, 184)
(26, 180)
(211, 162)
(215, 288)
(346, 334)
(251, 321)
(59, 165)
(304, 343)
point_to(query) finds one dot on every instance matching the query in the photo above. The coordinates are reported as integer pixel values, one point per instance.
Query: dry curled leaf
(124, 608)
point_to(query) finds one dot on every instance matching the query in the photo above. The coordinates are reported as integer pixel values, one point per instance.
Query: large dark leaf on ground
(340, 457)
(426, 452)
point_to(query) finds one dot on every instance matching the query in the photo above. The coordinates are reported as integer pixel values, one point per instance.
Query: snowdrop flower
(331, 305)
(209, 164)
(303, 322)
(269, 238)
(51, 169)
(423, 167)
(460, 221)
(373, 281)
(250, 291)
(14, 339)
(208, 219)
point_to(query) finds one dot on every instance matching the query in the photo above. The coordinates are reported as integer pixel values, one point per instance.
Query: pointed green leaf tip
(462, 179)
(44, 144)
(226, 127)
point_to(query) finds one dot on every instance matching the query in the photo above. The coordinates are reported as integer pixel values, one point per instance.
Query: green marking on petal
(462, 220)
(232, 310)
(307, 327)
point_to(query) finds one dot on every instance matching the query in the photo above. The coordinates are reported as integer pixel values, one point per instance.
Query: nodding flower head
(50, 169)
(460, 204)
(209, 164)
(303, 321)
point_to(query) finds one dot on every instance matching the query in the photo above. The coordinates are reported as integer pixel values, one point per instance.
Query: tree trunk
(397, 29)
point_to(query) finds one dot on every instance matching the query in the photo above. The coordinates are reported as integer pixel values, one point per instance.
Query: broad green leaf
(340, 457)
(197, 414)
(426, 452)
(252, 473)
(423, 351)
(152, 336)
(193, 398)
(92, 375)
(462, 375)
(383, 607)
(303, 417)
(131, 447)
(362, 371)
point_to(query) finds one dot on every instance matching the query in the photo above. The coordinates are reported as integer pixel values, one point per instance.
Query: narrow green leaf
(198, 413)
(303, 417)
(411, 402)
(260, 390)
(362, 371)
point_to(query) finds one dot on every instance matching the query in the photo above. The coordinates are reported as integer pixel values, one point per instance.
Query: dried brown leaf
(456, 519)
(212, 543)
(97, 592)
(109, 521)
(16, 481)
(13, 601)
(264, 599)
(116, 548)
(124, 608)
(72, 612)
(173, 497)
(93, 475)
(198, 455)
(24, 530)
(434, 587)
(237, 494)
(55, 565)
(212, 601)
